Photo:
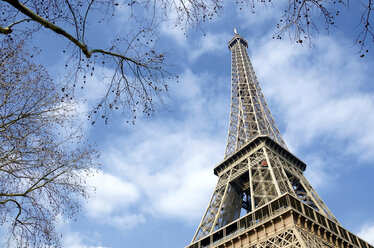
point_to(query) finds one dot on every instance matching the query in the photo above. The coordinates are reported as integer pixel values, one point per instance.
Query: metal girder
(250, 116)
(258, 178)
(251, 179)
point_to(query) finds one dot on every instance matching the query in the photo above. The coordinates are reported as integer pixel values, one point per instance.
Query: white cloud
(318, 171)
(252, 19)
(127, 221)
(111, 201)
(76, 240)
(367, 233)
(319, 96)
(73, 239)
(162, 169)
(111, 192)
(170, 30)
(173, 171)
(209, 43)
(166, 166)
(190, 195)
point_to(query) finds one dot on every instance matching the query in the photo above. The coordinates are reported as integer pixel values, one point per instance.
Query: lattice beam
(250, 116)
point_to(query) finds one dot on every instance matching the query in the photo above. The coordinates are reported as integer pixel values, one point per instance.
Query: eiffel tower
(262, 199)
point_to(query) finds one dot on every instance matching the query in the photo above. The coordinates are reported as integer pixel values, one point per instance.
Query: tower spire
(250, 115)
(262, 198)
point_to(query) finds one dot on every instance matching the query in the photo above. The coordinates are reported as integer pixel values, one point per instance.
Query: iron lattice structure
(250, 115)
(262, 198)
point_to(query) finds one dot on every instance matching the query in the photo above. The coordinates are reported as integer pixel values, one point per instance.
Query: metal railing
(275, 208)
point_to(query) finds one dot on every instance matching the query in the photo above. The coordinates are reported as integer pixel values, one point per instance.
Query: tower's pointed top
(237, 38)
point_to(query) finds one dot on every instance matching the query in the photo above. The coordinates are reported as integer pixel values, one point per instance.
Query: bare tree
(43, 163)
(138, 75)
(303, 18)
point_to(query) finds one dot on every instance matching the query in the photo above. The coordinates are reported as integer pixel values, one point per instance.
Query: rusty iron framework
(257, 172)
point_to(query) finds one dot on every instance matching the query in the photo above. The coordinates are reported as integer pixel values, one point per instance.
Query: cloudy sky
(157, 176)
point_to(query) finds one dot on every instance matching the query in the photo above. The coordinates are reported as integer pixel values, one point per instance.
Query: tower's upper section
(238, 39)
(250, 115)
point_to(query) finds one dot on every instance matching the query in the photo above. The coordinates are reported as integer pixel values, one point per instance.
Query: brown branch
(8, 30)
(117, 55)
(365, 22)
(5, 30)
(28, 12)
(85, 19)
(18, 206)
(83, 47)
(74, 17)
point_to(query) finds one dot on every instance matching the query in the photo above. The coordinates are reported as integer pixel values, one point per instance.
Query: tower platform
(283, 222)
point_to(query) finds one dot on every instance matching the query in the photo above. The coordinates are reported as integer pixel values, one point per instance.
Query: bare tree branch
(137, 48)
(366, 25)
(33, 16)
(8, 29)
(43, 162)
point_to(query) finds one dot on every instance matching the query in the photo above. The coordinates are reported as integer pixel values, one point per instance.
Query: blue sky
(157, 176)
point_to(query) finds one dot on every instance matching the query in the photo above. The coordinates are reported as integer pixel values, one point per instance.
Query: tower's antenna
(235, 31)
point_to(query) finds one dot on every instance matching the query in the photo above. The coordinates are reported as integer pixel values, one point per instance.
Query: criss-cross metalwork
(262, 198)
(262, 173)
(250, 115)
